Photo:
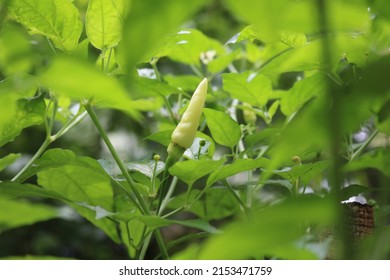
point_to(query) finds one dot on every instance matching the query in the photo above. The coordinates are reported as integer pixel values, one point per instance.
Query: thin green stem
(109, 59)
(145, 246)
(103, 134)
(40, 151)
(51, 46)
(166, 199)
(107, 141)
(235, 195)
(169, 109)
(364, 145)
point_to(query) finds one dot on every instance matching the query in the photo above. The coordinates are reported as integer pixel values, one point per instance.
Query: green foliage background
(297, 119)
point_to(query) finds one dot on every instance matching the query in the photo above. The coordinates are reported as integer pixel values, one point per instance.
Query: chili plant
(295, 121)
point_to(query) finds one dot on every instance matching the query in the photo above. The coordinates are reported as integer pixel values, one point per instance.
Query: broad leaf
(146, 168)
(268, 229)
(378, 159)
(103, 22)
(67, 76)
(223, 128)
(185, 169)
(58, 20)
(79, 180)
(252, 88)
(16, 213)
(147, 22)
(236, 167)
(157, 222)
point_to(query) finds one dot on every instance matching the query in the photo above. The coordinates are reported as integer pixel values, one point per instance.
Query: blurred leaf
(184, 82)
(8, 160)
(67, 76)
(223, 128)
(378, 159)
(263, 137)
(103, 22)
(271, 18)
(19, 114)
(383, 119)
(352, 190)
(236, 167)
(144, 87)
(157, 222)
(248, 87)
(268, 229)
(17, 213)
(301, 92)
(79, 180)
(147, 22)
(305, 172)
(16, 52)
(185, 169)
(58, 20)
(191, 47)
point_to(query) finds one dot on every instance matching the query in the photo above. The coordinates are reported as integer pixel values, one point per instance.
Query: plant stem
(239, 200)
(166, 199)
(364, 145)
(144, 206)
(42, 148)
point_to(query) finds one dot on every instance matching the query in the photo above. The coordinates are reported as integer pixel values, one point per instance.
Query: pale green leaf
(223, 128)
(148, 21)
(58, 20)
(103, 22)
(67, 76)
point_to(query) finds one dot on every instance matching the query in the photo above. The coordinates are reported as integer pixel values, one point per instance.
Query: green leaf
(16, 190)
(268, 229)
(352, 190)
(190, 46)
(79, 180)
(67, 76)
(58, 20)
(17, 213)
(157, 222)
(147, 22)
(252, 88)
(378, 159)
(305, 172)
(19, 114)
(103, 22)
(184, 82)
(8, 160)
(146, 168)
(185, 169)
(236, 167)
(302, 92)
(223, 128)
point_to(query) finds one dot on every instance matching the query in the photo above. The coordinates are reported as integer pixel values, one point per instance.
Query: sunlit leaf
(103, 22)
(58, 20)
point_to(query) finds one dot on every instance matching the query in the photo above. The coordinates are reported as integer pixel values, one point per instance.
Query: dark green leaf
(378, 159)
(352, 190)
